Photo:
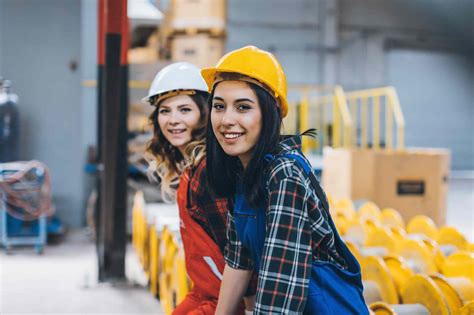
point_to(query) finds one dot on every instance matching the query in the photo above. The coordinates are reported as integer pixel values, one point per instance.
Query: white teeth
(177, 131)
(232, 135)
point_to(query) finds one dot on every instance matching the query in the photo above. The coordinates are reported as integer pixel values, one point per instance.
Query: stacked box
(194, 31)
(198, 14)
(200, 49)
(413, 181)
(348, 173)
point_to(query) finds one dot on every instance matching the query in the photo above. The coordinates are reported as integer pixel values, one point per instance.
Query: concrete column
(375, 60)
(329, 16)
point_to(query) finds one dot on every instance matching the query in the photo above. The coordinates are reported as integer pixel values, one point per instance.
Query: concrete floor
(461, 204)
(63, 279)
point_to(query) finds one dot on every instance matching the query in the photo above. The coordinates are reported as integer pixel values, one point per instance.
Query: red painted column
(112, 138)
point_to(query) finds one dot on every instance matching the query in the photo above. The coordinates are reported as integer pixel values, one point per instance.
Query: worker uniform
(203, 256)
(203, 219)
(303, 265)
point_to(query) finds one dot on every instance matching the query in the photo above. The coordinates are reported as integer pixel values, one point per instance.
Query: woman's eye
(243, 107)
(185, 109)
(218, 106)
(164, 111)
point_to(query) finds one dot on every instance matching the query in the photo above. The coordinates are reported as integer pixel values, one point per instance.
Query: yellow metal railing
(301, 115)
(345, 119)
(328, 113)
(377, 99)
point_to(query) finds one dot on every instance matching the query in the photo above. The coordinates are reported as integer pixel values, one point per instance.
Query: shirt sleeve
(236, 255)
(286, 261)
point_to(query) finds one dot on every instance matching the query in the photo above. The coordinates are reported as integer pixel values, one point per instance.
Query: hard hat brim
(169, 94)
(209, 75)
(146, 100)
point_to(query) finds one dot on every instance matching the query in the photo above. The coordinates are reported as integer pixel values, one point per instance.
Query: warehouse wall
(89, 94)
(362, 55)
(89, 70)
(436, 90)
(40, 48)
(370, 28)
(287, 28)
(421, 51)
(1, 39)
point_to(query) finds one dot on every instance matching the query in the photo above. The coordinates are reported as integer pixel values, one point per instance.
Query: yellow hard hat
(254, 63)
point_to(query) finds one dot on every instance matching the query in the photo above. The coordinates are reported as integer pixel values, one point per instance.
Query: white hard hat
(179, 76)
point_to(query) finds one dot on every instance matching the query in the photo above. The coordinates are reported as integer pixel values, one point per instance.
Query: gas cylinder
(9, 123)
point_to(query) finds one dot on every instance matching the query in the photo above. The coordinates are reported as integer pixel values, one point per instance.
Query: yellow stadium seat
(421, 224)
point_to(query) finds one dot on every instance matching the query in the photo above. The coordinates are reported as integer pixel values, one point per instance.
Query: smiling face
(236, 119)
(178, 116)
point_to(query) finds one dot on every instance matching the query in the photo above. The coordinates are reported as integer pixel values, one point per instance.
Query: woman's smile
(236, 118)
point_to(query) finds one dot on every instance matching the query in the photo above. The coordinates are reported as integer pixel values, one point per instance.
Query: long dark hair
(223, 171)
(166, 161)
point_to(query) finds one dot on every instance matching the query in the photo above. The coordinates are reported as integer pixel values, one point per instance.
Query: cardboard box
(348, 173)
(199, 14)
(141, 55)
(413, 181)
(202, 50)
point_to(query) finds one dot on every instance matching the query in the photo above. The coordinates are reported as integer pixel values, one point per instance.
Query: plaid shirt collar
(287, 144)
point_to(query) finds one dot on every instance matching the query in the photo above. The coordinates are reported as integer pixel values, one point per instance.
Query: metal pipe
(364, 122)
(388, 124)
(353, 105)
(376, 123)
(336, 125)
(304, 113)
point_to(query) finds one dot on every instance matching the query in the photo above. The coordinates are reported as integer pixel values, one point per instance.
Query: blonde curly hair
(166, 162)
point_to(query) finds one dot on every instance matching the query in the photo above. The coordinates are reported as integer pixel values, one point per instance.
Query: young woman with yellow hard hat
(280, 226)
(179, 120)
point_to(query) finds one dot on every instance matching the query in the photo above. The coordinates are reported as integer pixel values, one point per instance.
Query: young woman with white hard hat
(179, 120)
(280, 226)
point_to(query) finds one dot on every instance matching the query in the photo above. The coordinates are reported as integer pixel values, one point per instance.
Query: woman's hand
(249, 302)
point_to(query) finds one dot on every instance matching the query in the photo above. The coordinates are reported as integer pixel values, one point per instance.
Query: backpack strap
(341, 247)
(314, 181)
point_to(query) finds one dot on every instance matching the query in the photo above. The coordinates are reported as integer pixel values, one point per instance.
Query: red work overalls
(204, 261)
